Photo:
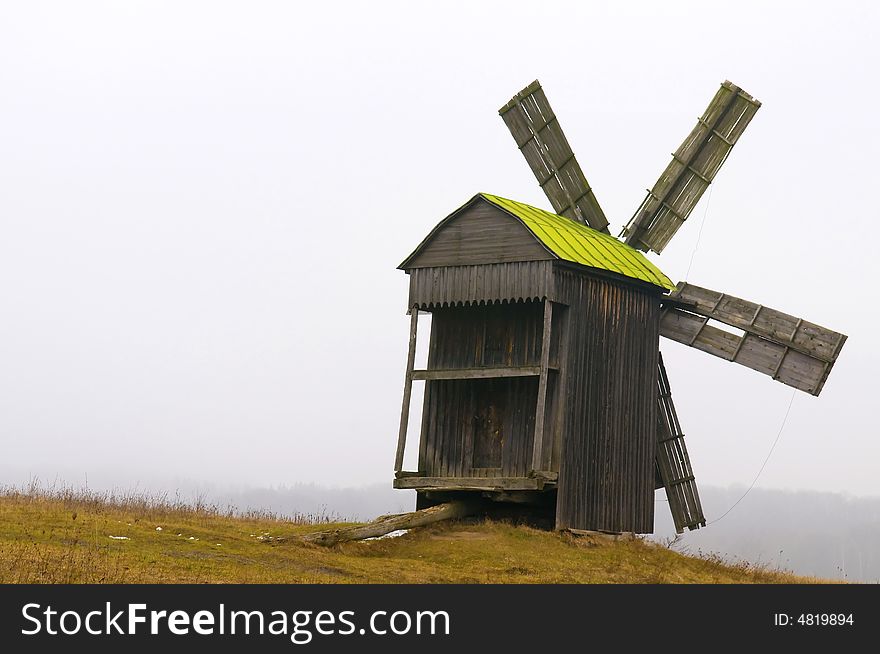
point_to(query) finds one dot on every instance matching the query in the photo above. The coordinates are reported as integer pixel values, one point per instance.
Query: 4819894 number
(813, 619)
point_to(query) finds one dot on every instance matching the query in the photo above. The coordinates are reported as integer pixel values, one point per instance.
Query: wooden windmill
(544, 382)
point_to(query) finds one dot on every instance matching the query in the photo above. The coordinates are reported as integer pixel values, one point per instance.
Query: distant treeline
(811, 533)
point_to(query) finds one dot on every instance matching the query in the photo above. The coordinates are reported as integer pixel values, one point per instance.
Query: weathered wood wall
(478, 427)
(481, 427)
(606, 476)
(490, 335)
(478, 233)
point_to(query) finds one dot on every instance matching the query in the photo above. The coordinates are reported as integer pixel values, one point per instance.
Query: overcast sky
(203, 205)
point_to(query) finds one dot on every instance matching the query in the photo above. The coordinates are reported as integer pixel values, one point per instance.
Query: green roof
(572, 241)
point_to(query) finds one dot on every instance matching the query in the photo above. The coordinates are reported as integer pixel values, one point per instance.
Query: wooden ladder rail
(407, 389)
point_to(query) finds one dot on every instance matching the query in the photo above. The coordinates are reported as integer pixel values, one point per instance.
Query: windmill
(544, 381)
(787, 348)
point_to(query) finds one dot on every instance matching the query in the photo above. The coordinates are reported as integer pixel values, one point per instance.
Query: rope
(700, 234)
(763, 465)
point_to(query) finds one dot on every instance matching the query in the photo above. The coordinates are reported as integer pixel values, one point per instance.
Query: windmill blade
(693, 167)
(672, 464)
(539, 137)
(789, 349)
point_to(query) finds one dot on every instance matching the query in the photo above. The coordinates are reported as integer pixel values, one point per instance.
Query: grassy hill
(81, 537)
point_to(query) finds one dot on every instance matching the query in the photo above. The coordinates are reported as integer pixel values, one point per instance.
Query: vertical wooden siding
(481, 427)
(468, 423)
(488, 335)
(452, 285)
(606, 476)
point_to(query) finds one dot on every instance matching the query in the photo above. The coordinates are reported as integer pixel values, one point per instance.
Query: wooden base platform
(540, 481)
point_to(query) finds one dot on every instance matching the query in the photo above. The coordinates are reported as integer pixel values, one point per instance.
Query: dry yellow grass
(82, 538)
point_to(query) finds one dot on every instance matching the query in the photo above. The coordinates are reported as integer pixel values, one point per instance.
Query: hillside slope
(83, 538)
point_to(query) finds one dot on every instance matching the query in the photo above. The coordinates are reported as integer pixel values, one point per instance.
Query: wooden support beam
(562, 340)
(477, 373)
(540, 409)
(693, 170)
(387, 524)
(471, 483)
(721, 136)
(407, 390)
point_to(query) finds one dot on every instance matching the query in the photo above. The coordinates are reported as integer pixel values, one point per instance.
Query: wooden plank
(784, 363)
(791, 350)
(538, 441)
(680, 326)
(407, 390)
(760, 354)
(477, 373)
(806, 337)
(470, 483)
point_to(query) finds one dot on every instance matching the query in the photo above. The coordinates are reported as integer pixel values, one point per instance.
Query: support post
(563, 337)
(540, 410)
(407, 389)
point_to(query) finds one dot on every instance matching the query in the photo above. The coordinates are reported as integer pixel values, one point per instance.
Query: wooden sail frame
(789, 349)
(672, 461)
(693, 167)
(539, 137)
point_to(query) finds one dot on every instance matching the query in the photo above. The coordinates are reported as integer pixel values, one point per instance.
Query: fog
(203, 205)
